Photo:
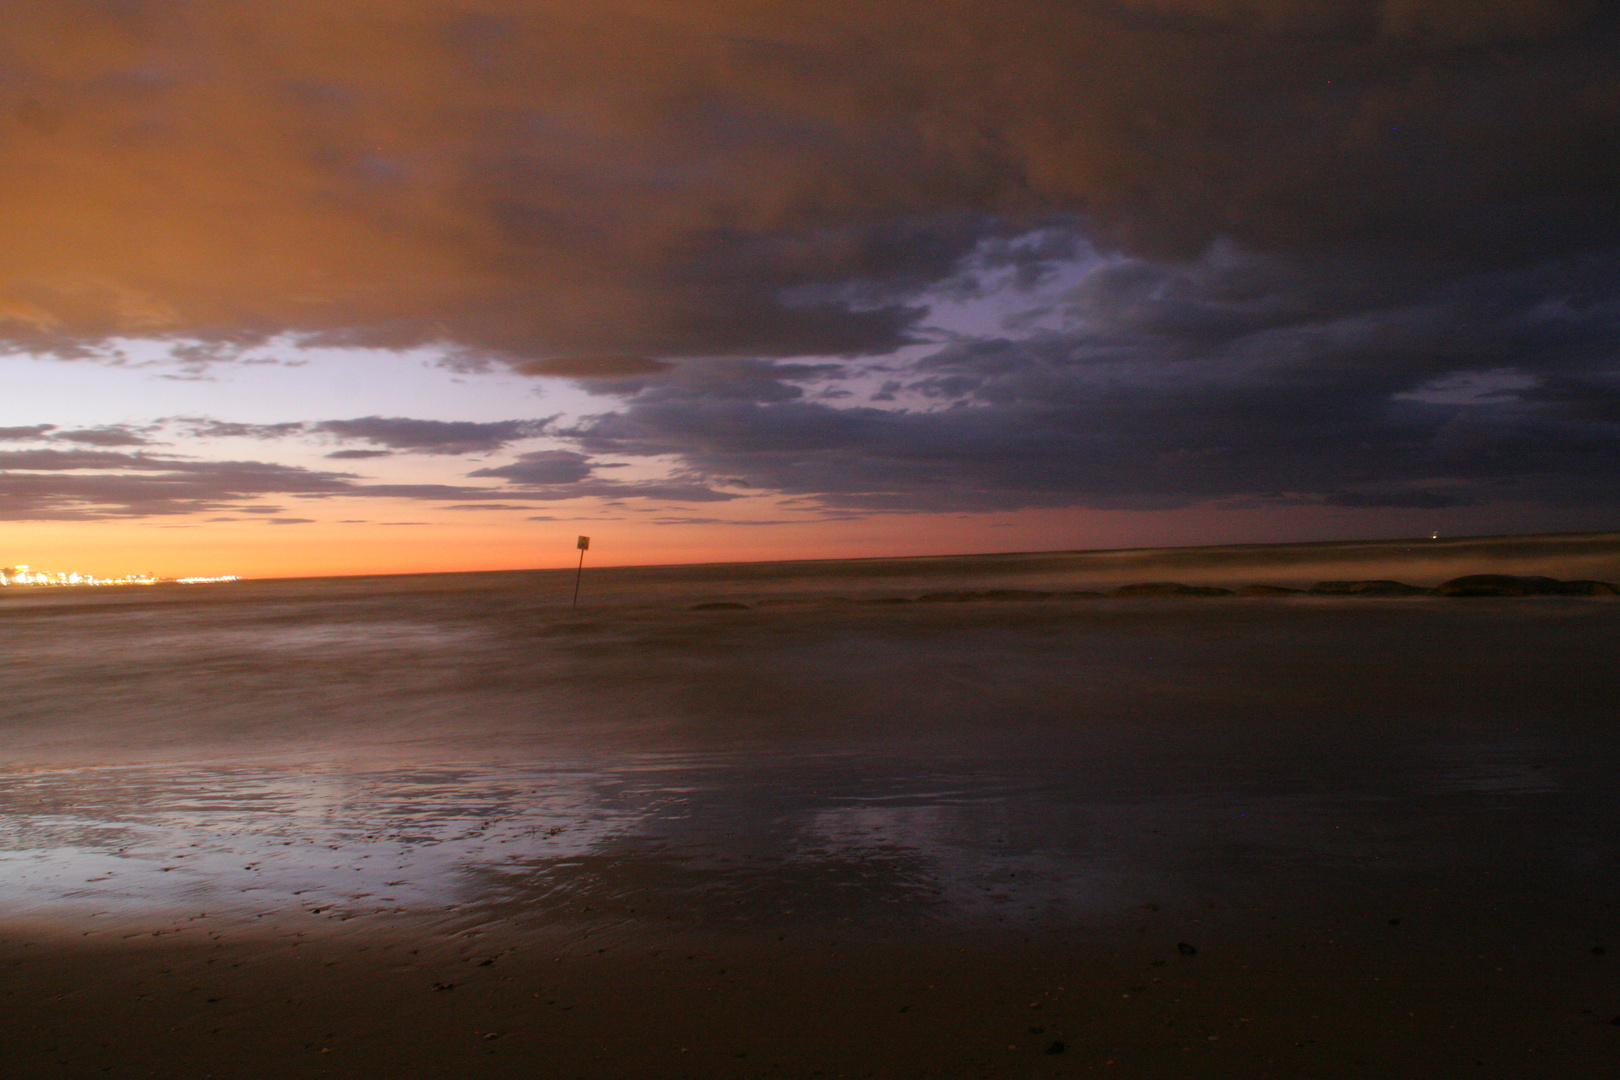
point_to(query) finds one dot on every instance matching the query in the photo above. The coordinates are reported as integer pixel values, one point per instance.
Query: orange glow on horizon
(172, 548)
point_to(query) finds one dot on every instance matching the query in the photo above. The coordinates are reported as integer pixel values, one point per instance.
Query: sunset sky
(405, 285)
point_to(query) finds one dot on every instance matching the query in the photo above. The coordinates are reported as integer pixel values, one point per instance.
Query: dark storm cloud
(431, 436)
(202, 427)
(721, 379)
(51, 483)
(66, 460)
(98, 484)
(394, 432)
(593, 367)
(106, 435)
(542, 467)
(94, 484)
(111, 435)
(66, 485)
(656, 178)
(562, 474)
(1232, 379)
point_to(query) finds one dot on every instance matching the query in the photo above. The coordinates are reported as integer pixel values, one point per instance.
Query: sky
(418, 285)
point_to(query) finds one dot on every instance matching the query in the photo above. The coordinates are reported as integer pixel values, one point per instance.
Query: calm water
(376, 753)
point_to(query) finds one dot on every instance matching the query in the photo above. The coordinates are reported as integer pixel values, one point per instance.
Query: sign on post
(584, 545)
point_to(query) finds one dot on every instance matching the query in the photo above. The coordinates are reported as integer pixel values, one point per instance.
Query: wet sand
(1341, 994)
(448, 827)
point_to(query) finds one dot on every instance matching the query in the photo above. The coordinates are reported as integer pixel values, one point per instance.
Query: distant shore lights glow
(23, 574)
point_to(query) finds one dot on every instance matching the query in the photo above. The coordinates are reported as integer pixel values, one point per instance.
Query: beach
(796, 820)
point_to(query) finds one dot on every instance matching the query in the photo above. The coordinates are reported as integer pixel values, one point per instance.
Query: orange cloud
(653, 177)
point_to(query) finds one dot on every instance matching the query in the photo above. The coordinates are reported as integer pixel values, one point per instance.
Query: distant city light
(22, 574)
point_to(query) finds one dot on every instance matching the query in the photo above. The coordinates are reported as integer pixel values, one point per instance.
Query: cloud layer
(1241, 252)
(650, 178)
(51, 484)
(450, 437)
(72, 485)
(1232, 379)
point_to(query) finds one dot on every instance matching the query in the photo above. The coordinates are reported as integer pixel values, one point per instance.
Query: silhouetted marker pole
(584, 545)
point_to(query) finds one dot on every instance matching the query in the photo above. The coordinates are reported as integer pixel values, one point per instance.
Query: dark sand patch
(1339, 994)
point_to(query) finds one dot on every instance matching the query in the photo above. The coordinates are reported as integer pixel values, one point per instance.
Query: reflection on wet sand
(732, 841)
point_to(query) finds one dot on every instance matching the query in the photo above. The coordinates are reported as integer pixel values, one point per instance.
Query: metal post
(584, 544)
